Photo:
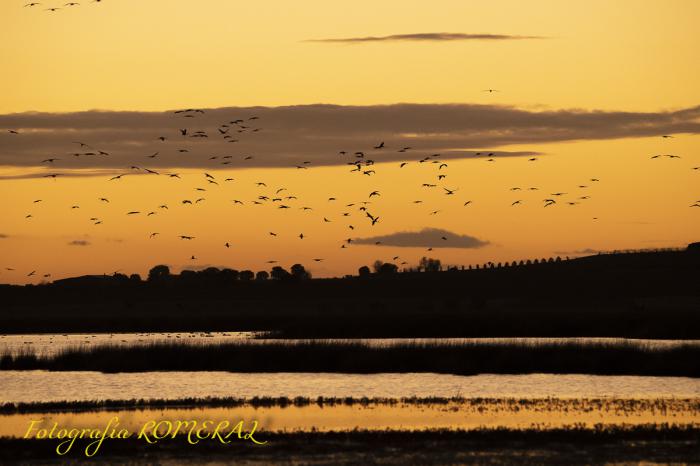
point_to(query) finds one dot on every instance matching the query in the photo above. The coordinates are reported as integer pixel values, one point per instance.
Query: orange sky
(161, 55)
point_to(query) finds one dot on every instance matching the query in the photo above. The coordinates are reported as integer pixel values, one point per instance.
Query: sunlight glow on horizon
(169, 54)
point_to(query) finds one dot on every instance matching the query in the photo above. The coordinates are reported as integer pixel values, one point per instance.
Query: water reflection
(32, 386)
(469, 414)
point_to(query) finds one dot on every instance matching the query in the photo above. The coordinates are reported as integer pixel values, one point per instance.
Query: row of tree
(299, 272)
(296, 272)
(427, 264)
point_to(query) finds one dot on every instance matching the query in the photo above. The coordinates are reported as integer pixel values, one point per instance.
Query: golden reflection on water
(466, 414)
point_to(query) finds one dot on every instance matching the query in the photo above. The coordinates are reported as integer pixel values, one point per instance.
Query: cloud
(425, 238)
(292, 135)
(578, 252)
(77, 173)
(200, 267)
(426, 37)
(79, 242)
(4, 236)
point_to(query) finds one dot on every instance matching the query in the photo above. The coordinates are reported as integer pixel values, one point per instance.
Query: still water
(48, 344)
(467, 414)
(32, 386)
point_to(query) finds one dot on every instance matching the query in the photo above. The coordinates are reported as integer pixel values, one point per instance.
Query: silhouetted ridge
(648, 294)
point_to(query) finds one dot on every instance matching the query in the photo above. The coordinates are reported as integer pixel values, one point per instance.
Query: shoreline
(66, 406)
(361, 358)
(648, 443)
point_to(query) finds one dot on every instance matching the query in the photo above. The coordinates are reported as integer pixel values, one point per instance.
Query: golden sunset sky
(586, 88)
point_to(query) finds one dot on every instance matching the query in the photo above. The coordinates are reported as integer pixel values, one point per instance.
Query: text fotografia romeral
(223, 431)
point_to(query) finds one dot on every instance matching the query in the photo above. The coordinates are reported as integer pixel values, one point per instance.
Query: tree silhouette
(246, 275)
(210, 272)
(388, 269)
(229, 275)
(187, 275)
(159, 272)
(278, 273)
(262, 276)
(429, 264)
(364, 271)
(299, 272)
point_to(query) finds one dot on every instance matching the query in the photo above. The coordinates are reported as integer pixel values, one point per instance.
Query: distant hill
(642, 294)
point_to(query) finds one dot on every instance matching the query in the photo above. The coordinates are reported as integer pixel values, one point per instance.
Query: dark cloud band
(425, 238)
(289, 136)
(426, 37)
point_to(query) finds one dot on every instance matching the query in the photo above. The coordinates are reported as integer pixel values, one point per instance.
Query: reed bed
(518, 357)
(603, 405)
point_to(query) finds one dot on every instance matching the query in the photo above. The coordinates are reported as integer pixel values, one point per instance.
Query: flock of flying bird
(362, 161)
(54, 9)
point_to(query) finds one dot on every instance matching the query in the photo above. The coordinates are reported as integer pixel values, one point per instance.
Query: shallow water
(470, 414)
(47, 344)
(32, 386)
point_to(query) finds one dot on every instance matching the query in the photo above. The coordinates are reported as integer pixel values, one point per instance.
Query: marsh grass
(572, 445)
(603, 405)
(517, 357)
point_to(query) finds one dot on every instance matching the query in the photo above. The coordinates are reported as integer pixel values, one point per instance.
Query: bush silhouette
(246, 275)
(159, 272)
(299, 272)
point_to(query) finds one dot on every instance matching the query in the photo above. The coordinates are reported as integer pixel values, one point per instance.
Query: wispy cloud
(289, 136)
(200, 267)
(4, 236)
(426, 37)
(425, 238)
(76, 173)
(579, 252)
(79, 242)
